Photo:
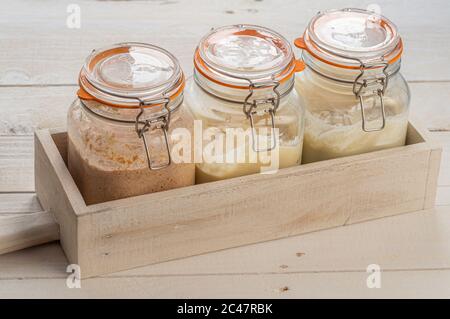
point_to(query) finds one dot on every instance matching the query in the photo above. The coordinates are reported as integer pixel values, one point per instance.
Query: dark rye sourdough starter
(98, 185)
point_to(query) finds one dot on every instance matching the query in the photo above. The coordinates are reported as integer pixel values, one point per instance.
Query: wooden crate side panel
(52, 195)
(414, 134)
(60, 140)
(252, 210)
(433, 176)
(394, 187)
(417, 132)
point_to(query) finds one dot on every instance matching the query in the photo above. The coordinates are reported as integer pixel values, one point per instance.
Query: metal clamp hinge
(250, 109)
(161, 123)
(358, 87)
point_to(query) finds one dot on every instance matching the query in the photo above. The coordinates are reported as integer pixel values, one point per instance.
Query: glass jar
(243, 83)
(121, 127)
(356, 99)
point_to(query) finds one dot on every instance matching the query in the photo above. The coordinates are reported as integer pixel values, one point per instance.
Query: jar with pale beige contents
(355, 97)
(120, 128)
(243, 82)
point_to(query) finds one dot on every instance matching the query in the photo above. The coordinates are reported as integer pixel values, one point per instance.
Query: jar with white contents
(355, 97)
(120, 128)
(243, 80)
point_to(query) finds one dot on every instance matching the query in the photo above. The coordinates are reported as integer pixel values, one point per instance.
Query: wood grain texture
(443, 138)
(405, 242)
(152, 228)
(19, 203)
(443, 196)
(17, 169)
(430, 102)
(21, 231)
(10, 203)
(62, 200)
(58, 52)
(23, 223)
(37, 49)
(39, 107)
(405, 284)
(16, 164)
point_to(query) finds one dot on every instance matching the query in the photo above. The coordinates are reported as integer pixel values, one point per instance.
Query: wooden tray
(141, 230)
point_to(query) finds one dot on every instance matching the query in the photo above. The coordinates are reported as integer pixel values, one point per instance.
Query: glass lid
(231, 54)
(125, 73)
(345, 36)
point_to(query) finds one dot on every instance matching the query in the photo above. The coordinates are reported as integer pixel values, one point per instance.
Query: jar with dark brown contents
(125, 123)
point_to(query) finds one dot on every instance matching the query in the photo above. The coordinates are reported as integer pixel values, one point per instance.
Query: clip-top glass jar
(243, 79)
(356, 99)
(120, 126)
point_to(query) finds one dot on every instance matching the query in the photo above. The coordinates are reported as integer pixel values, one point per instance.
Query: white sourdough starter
(333, 123)
(217, 113)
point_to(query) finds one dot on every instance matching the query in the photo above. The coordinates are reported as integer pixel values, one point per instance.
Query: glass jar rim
(229, 56)
(131, 75)
(334, 42)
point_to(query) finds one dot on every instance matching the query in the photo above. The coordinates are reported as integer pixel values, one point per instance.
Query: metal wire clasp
(250, 109)
(358, 87)
(161, 123)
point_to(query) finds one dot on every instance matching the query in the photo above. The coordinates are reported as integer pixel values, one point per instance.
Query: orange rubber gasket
(295, 66)
(300, 43)
(83, 95)
(113, 51)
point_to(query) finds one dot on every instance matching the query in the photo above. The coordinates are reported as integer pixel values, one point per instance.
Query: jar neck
(346, 77)
(129, 114)
(239, 95)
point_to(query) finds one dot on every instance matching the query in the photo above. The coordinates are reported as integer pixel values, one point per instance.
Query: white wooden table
(39, 61)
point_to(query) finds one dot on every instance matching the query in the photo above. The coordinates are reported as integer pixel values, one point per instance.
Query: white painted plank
(443, 196)
(406, 242)
(19, 203)
(443, 138)
(38, 48)
(19, 231)
(16, 164)
(23, 224)
(430, 102)
(25, 109)
(401, 284)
